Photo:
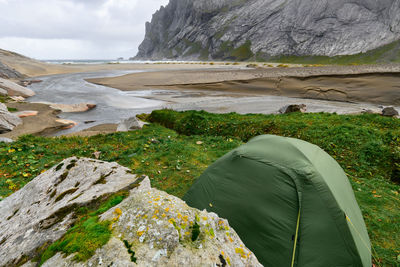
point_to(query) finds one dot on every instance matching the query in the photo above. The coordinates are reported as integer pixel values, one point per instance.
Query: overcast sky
(75, 29)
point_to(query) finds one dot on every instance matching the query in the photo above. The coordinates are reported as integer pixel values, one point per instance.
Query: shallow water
(114, 105)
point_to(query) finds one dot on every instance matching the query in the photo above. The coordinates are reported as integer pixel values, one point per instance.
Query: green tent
(289, 201)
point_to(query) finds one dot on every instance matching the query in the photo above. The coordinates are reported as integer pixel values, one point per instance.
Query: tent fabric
(263, 186)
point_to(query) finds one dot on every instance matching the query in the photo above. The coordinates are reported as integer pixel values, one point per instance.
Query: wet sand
(378, 84)
(43, 124)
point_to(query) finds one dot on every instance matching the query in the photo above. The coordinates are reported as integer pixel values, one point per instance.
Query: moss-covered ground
(178, 146)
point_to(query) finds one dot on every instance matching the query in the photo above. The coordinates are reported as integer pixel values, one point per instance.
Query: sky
(75, 29)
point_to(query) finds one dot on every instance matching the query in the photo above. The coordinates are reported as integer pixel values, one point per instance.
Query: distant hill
(14, 66)
(275, 30)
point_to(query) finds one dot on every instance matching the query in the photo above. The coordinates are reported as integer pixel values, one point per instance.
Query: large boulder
(149, 226)
(8, 121)
(158, 229)
(293, 108)
(14, 89)
(43, 210)
(390, 112)
(6, 140)
(130, 124)
(81, 107)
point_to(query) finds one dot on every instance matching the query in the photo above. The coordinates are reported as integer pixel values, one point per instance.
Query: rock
(68, 124)
(97, 154)
(14, 89)
(8, 121)
(82, 107)
(9, 73)
(370, 111)
(18, 98)
(160, 229)
(29, 82)
(45, 208)
(130, 125)
(6, 140)
(239, 30)
(390, 112)
(26, 113)
(293, 108)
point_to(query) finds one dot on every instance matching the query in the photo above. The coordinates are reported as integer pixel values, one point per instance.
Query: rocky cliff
(262, 29)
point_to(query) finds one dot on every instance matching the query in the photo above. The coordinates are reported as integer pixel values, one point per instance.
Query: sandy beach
(378, 84)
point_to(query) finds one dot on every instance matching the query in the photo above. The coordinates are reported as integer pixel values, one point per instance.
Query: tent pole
(295, 238)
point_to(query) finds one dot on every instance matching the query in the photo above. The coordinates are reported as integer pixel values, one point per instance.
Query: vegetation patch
(366, 146)
(243, 52)
(389, 53)
(62, 195)
(228, 52)
(86, 236)
(102, 179)
(71, 165)
(195, 231)
(194, 48)
(130, 251)
(59, 166)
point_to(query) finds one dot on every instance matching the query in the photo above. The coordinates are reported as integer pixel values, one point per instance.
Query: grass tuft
(87, 235)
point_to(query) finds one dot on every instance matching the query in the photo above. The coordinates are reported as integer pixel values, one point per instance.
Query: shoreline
(215, 88)
(357, 84)
(45, 123)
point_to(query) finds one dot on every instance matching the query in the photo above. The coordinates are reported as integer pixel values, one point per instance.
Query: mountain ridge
(266, 29)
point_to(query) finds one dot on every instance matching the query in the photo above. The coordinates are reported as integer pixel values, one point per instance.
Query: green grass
(366, 146)
(12, 109)
(4, 99)
(389, 53)
(86, 236)
(243, 52)
(172, 163)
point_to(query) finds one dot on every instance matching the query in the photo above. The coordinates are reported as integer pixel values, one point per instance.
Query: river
(114, 105)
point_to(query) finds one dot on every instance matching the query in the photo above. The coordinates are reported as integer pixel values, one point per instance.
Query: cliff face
(250, 29)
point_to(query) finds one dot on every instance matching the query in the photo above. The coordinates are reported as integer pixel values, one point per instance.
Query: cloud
(75, 28)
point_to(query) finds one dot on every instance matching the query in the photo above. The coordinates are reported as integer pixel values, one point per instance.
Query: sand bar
(379, 84)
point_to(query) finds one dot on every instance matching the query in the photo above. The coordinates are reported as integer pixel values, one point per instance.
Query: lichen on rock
(152, 228)
(144, 227)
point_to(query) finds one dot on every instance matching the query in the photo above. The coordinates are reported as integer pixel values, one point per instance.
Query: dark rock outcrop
(390, 112)
(9, 73)
(252, 29)
(293, 108)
